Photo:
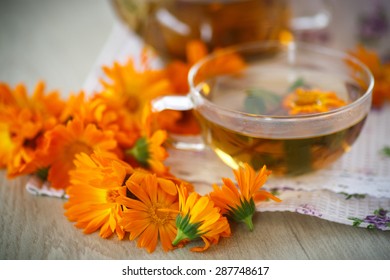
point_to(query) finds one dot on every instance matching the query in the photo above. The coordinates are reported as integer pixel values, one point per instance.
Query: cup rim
(293, 46)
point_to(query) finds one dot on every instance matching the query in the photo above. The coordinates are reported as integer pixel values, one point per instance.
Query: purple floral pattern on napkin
(378, 220)
(308, 209)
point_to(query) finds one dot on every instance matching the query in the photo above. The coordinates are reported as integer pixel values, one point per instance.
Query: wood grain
(34, 227)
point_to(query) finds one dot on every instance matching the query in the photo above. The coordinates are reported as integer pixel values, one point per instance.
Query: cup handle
(179, 103)
(172, 102)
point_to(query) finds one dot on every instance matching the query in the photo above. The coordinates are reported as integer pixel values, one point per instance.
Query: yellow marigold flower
(149, 214)
(199, 218)
(65, 142)
(310, 101)
(95, 184)
(240, 204)
(380, 71)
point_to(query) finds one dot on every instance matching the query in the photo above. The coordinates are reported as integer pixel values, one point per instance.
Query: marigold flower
(95, 184)
(149, 214)
(240, 204)
(24, 119)
(310, 101)
(64, 142)
(130, 90)
(380, 71)
(149, 152)
(166, 181)
(199, 218)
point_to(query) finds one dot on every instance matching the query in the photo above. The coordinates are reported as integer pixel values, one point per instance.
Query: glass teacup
(238, 95)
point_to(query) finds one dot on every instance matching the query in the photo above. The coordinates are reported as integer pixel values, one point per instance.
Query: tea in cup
(293, 107)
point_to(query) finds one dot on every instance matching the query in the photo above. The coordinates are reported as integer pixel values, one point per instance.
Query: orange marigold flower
(40, 101)
(64, 142)
(380, 71)
(149, 152)
(199, 218)
(114, 117)
(24, 119)
(166, 182)
(310, 101)
(177, 71)
(95, 184)
(78, 106)
(131, 89)
(7, 144)
(149, 214)
(240, 204)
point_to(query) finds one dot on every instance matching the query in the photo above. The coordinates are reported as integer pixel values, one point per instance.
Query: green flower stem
(249, 222)
(180, 236)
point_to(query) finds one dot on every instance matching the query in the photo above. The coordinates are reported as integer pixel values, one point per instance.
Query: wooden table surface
(59, 41)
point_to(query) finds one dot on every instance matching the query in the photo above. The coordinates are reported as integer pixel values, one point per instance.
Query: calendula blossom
(149, 213)
(166, 181)
(130, 89)
(150, 153)
(199, 218)
(95, 184)
(240, 203)
(64, 142)
(310, 101)
(380, 71)
(24, 119)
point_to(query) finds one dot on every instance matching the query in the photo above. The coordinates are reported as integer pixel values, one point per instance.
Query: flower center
(157, 216)
(78, 147)
(112, 195)
(132, 103)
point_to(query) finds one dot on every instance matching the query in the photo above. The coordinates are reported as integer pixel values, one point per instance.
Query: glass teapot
(167, 25)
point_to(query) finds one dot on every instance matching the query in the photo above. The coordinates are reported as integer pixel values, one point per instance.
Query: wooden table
(58, 41)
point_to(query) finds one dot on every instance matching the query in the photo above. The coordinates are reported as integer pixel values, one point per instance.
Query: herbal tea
(282, 156)
(262, 92)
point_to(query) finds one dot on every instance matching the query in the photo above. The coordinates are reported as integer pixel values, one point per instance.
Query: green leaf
(300, 82)
(254, 105)
(356, 221)
(259, 101)
(386, 151)
(354, 195)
